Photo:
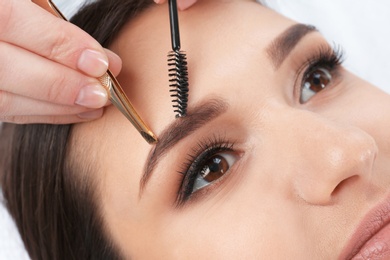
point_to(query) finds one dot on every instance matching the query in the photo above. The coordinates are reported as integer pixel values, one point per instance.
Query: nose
(327, 155)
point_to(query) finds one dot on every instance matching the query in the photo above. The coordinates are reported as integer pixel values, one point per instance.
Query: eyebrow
(197, 117)
(203, 113)
(280, 48)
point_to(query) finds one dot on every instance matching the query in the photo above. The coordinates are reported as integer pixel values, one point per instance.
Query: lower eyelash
(204, 149)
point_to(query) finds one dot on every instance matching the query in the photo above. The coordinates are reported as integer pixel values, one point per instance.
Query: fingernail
(158, 1)
(92, 96)
(93, 63)
(184, 4)
(91, 114)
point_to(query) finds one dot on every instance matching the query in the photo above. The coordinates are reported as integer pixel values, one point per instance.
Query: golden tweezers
(115, 92)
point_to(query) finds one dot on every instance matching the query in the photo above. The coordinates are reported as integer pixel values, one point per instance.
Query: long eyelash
(325, 56)
(195, 159)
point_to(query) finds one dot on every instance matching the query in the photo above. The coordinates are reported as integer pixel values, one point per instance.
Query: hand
(48, 67)
(181, 4)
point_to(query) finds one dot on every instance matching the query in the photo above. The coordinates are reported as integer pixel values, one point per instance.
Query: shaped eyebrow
(197, 117)
(203, 113)
(281, 47)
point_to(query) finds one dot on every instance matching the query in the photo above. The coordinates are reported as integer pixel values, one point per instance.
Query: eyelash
(195, 162)
(325, 57)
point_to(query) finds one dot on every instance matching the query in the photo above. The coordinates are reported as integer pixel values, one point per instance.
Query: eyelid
(313, 59)
(215, 185)
(203, 150)
(230, 157)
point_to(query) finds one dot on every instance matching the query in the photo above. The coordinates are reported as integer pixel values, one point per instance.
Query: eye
(314, 81)
(209, 163)
(212, 169)
(320, 71)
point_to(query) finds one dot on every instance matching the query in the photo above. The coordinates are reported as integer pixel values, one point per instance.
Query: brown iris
(317, 80)
(214, 168)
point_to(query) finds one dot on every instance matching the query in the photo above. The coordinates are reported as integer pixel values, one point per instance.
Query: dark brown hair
(49, 195)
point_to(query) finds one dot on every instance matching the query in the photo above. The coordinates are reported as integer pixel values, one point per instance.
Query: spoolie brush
(177, 63)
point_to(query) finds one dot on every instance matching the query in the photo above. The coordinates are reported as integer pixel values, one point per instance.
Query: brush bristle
(178, 81)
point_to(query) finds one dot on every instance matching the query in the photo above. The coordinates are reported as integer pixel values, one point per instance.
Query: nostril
(344, 184)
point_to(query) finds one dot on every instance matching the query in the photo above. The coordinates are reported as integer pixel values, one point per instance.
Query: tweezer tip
(149, 137)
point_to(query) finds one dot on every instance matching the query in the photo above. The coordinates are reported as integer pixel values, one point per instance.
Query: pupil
(214, 168)
(215, 165)
(319, 79)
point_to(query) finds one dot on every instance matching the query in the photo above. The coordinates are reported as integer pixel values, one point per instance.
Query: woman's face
(283, 153)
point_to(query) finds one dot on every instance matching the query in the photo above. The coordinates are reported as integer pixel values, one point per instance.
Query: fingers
(181, 4)
(65, 119)
(48, 67)
(14, 105)
(18, 109)
(51, 37)
(114, 61)
(32, 76)
(24, 95)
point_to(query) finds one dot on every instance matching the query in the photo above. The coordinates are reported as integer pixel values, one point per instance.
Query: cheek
(374, 118)
(219, 233)
(366, 107)
(361, 105)
(249, 224)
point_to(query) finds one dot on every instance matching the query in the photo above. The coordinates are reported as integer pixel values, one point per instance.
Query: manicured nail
(184, 4)
(92, 96)
(91, 114)
(93, 63)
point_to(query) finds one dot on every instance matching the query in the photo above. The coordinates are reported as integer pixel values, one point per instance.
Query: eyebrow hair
(205, 112)
(197, 117)
(279, 48)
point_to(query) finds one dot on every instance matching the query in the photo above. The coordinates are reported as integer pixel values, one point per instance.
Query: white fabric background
(358, 25)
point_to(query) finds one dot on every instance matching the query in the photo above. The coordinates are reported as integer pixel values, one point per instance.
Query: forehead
(225, 42)
(218, 39)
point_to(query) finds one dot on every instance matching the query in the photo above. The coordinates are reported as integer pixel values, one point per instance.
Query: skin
(305, 174)
(61, 87)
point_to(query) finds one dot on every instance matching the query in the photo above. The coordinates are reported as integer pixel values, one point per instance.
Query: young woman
(283, 155)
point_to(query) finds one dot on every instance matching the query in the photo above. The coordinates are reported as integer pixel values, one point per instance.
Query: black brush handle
(174, 21)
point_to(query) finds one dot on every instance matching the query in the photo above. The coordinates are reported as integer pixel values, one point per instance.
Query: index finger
(28, 26)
